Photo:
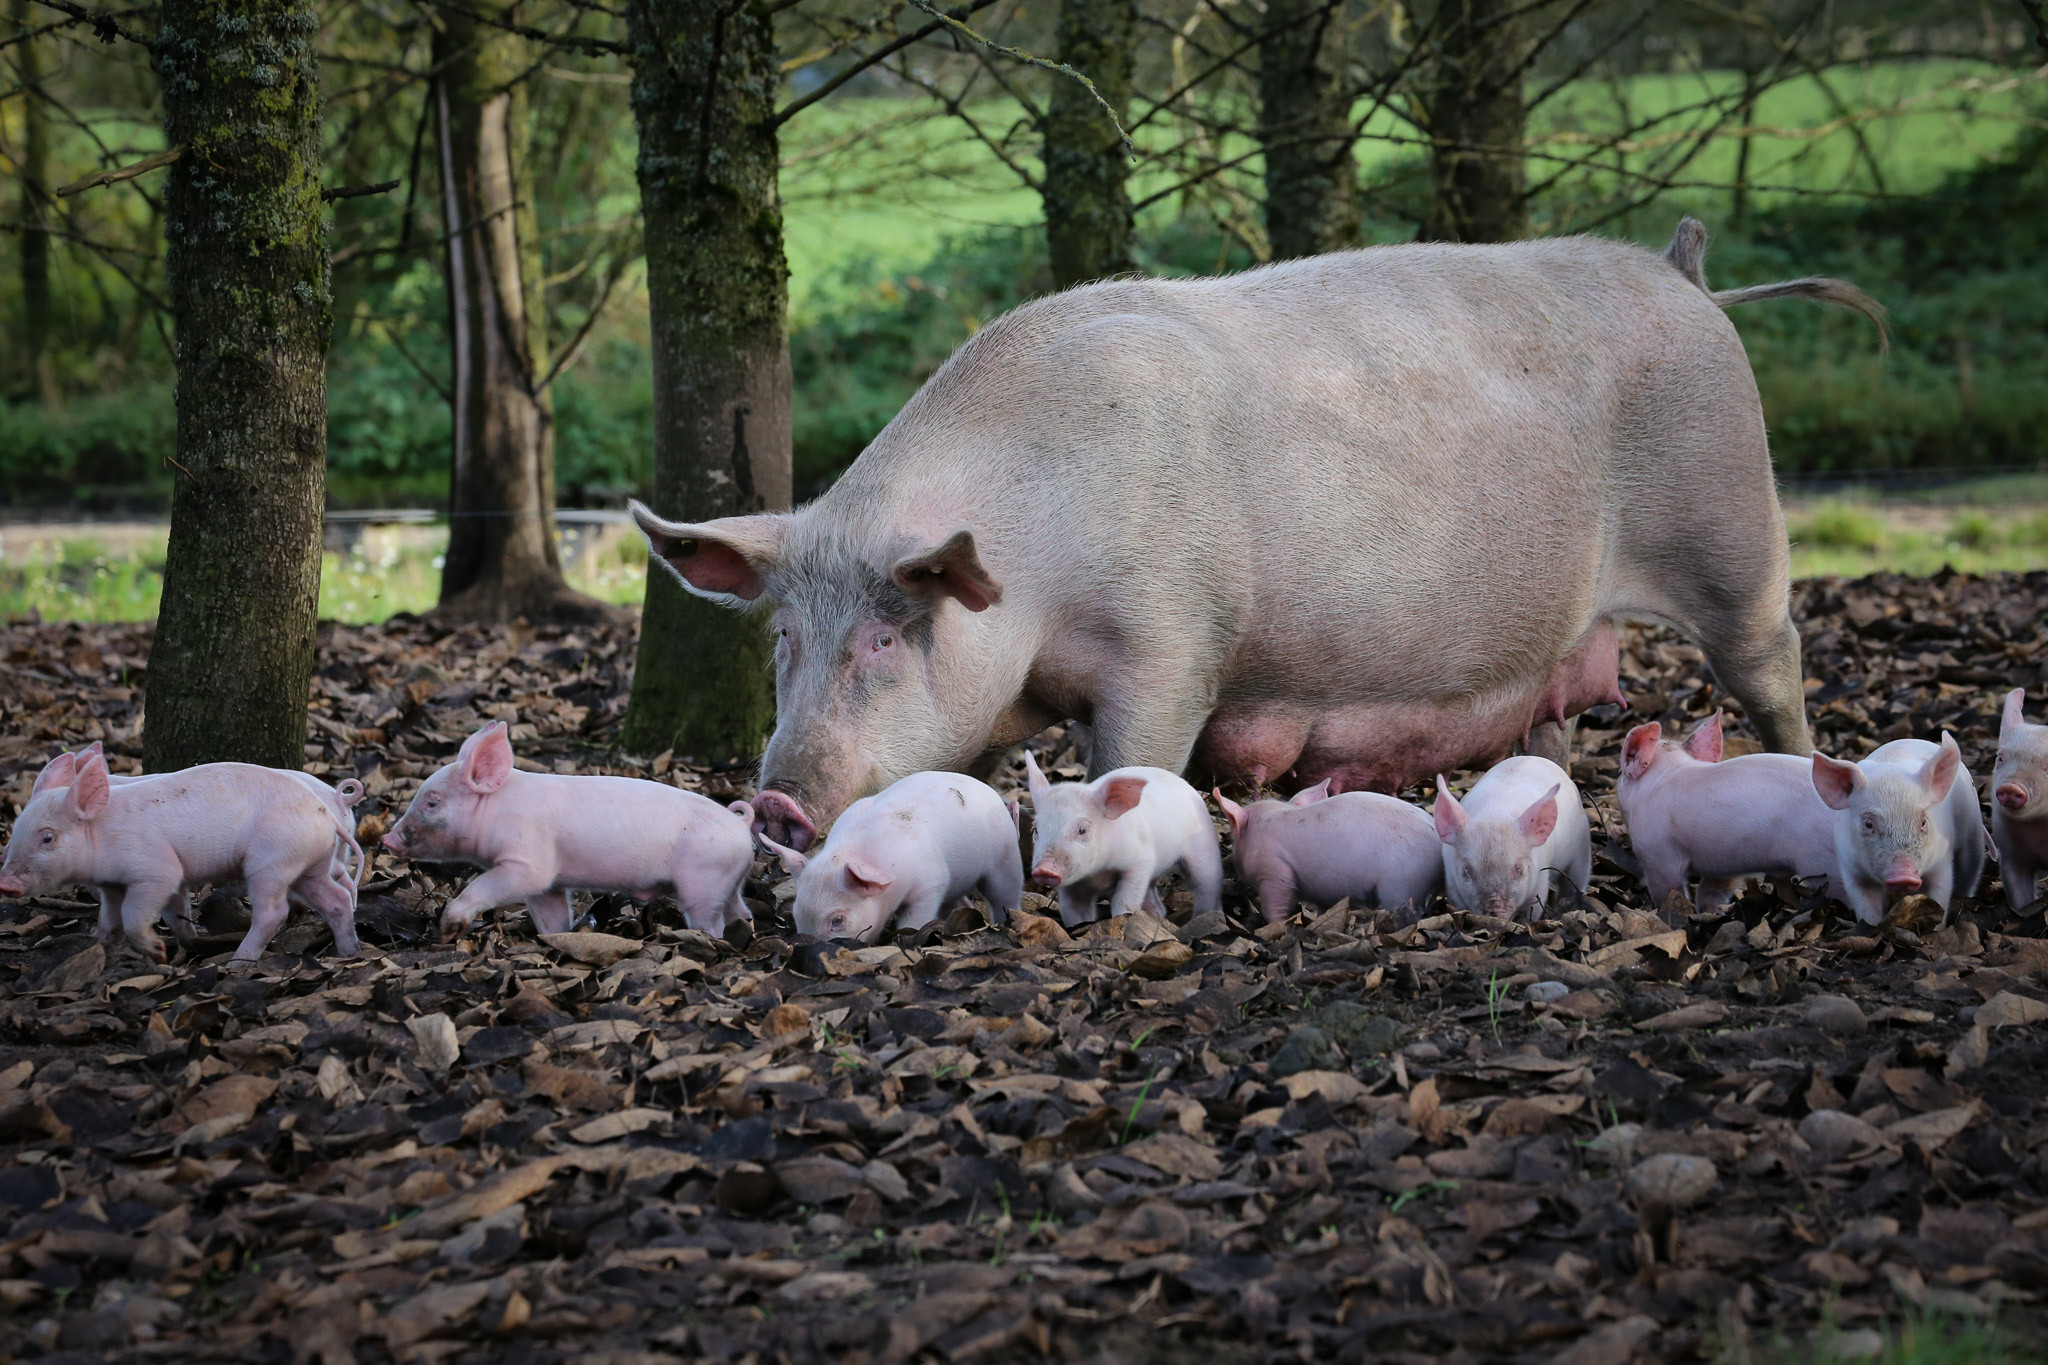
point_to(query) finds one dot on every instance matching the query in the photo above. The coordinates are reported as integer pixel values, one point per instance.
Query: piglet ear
(1039, 786)
(861, 877)
(1836, 780)
(1541, 818)
(792, 861)
(1940, 773)
(2009, 722)
(486, 758)
(1308, 796)
(1231, 811)
(90, 789)
(952, 569)
(1704, 743)
(1121, 794)
(58, 772)
(1639, 750)
(1450, 816)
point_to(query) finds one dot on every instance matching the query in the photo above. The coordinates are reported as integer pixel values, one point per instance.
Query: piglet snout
(1045, 874)
(2011, 795)
(394, 841)
(12, 886)
(1903, 876)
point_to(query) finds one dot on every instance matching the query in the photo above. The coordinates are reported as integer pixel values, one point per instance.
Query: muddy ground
(1339, 1138)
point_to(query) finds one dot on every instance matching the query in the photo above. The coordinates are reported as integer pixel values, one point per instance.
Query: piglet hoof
(777, 815)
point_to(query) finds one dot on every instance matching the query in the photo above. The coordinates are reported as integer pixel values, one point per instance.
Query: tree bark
(1476, 117)
(705, 77)
(41, 379)
(1088, 216)
(502, 561)
(229, 672)
(1305, 126)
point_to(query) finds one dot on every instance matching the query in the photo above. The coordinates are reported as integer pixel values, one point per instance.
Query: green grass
(383, 574)
(1851, 536)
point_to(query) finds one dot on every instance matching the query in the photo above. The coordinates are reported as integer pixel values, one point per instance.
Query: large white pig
(1170, 507)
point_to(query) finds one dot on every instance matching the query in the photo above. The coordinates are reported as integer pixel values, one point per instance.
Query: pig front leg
(140, 905)
(2017, 866)
(505, 884)
(1714, 893)
(1203, 863)
(1134, 892)
(919, 909)
(1077, 903)
(108, 931)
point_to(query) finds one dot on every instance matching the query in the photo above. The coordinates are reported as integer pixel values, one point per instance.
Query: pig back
(217, 819)
(620, 832)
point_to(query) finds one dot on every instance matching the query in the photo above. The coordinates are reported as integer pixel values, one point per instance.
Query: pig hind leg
(335, 902)
(1203, 864)
(710, 896)
(269, 908)
(1003, 884)
(551, 912)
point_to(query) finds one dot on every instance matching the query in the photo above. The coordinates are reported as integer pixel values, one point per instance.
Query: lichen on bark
(705, 76)
(247, 266)
(1089, 220)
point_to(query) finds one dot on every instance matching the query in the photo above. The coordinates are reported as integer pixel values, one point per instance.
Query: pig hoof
(777, 814)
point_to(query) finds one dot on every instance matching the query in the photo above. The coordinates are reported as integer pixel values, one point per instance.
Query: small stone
(1616, 1145)
(1423, 1051)
(1834, 1134)
(1836, 1014)
(1306, 1049)
(1543, 992)
(1359, 1031)
(1672, 1180)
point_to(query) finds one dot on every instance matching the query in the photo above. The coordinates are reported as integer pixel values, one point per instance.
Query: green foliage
(90, 452)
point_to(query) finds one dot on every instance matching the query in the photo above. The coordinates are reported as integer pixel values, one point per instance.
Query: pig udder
(1386, 746)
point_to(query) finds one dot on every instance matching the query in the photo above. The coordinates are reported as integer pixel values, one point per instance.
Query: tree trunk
(41, 379)
(704, 83)
(502, 561)
(1088, 216)
(248, 269)
(1305, 126)
(1476, 118)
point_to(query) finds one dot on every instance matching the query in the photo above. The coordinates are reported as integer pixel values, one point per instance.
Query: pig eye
(433, 801)
(1870, 824)
(883, 642)
(49, 837)
(1923, 823)
(1081, 830)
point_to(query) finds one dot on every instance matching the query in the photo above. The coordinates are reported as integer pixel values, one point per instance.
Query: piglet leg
(551, 911)
(269, 907)
(505, 884)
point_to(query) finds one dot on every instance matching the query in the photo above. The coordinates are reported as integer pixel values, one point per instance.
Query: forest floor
(1760, 1134)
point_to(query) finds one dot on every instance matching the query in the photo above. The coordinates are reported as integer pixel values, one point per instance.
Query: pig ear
(1450, 816)
(1308, 796)
(1039, 786)
(1940, 773)
(89, 789)
(1541, 818)
(861, 877)
(1639, 750)
(1121, 794)
(1704, 743)
(2008, 723)
(1836, 780)
(725, 559)
(486, 758)
(58, 772)
(1231, 811)
(792, 861)
(952, 570)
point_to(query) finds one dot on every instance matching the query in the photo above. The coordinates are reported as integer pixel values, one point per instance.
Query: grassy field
(877, 186)
(115, 573)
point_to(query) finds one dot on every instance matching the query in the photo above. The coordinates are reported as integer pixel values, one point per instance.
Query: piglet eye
(1082, 828)
(49, 836)
(884, 641)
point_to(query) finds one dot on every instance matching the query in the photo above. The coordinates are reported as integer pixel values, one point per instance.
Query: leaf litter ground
(1601, 1138)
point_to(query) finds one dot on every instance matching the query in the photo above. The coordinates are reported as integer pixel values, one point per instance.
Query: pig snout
(2011, 795)
(394, 840)
(11, 885)
(1903, 876)
(1048, 873)
(778, 815)
(1500, 907)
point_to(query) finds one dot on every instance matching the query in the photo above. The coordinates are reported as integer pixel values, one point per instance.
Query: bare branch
(1017, 54)
(795, 107)
(115, 177)
(104, 26)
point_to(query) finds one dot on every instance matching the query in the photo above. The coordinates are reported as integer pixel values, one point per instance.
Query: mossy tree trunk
(40, 376)
(502, 561)
(1088, 216)
(248, 269)
(704, 83)
(1477, 123)
(1305, 127)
